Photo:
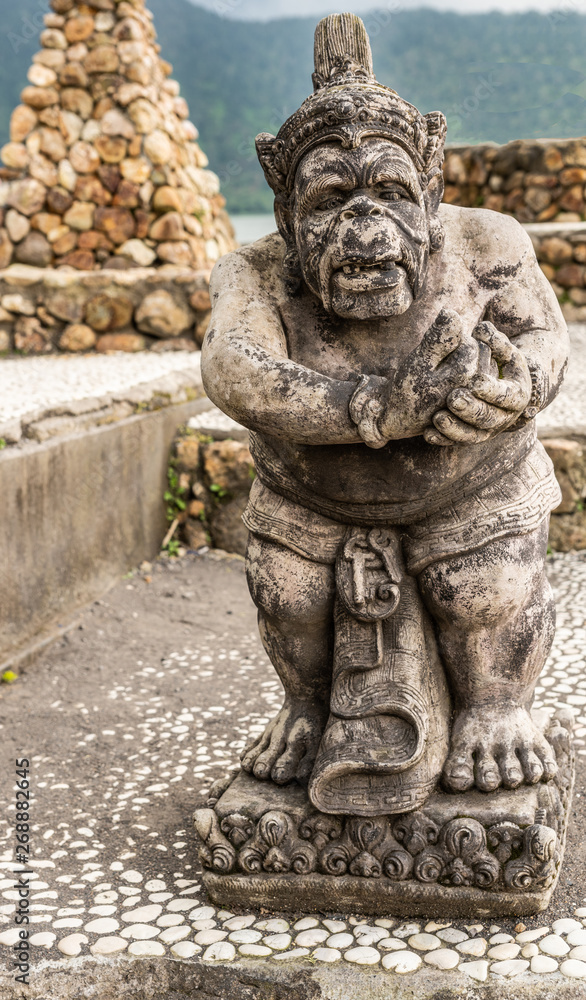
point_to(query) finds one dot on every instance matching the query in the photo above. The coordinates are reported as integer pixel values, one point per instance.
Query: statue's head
(357, 176)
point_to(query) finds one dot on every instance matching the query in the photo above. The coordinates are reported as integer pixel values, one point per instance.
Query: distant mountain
(497, 76)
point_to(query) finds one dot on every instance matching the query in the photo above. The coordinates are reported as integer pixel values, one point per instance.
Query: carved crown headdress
(348, 105)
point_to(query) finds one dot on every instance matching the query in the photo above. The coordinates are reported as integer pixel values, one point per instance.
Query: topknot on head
(341, 51)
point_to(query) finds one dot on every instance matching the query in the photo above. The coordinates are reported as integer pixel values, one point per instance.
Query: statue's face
(361, 228)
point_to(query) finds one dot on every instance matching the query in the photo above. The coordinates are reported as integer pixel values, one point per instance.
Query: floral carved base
(473, 854)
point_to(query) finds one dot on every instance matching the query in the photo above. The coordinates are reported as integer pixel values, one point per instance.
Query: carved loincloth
(515, 504)
(387, 737)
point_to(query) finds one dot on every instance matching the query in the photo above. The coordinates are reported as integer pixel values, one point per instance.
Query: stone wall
(212, 480)
(536, 181)
(43, 310)
(561, 251)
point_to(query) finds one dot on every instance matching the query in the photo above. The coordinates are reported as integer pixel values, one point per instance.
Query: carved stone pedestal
(470, 855)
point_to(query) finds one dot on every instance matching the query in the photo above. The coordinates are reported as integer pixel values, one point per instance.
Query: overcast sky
(267, 9)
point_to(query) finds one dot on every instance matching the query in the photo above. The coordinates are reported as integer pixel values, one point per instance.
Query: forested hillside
(497, 76)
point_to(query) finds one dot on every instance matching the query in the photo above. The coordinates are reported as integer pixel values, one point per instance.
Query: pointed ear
(435, 190)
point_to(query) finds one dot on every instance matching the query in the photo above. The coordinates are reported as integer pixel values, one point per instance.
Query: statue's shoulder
(258, 264)
(488, 239)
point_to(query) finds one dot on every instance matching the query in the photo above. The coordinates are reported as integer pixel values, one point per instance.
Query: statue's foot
(288, 747)
(497, 746)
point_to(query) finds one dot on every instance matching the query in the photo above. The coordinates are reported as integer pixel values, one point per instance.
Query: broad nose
(361, 206)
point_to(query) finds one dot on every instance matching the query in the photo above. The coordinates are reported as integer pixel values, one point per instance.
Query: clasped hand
(455, 388)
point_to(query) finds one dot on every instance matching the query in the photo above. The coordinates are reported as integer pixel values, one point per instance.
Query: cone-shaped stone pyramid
(103, 162)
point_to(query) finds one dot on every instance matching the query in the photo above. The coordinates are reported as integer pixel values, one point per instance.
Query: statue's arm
(528, 313)
(248, 374)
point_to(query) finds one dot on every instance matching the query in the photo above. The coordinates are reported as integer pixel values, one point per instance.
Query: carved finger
(442, 338)
(500, 345)
(433, 436)
(476, 412)
(487, 774)
(510, 394)
(511, 772)
(463, 363)
(531, 764)
(458, 431)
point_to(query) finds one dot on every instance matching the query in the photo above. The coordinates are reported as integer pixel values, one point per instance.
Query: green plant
(220, 492)
(9, 677)
(580, 505)
(2, 443)
(173, 547)
(173, 496)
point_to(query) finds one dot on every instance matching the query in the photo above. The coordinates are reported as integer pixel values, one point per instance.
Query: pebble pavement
(115, 863)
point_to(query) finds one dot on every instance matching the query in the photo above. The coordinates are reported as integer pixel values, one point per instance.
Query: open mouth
(365, 276)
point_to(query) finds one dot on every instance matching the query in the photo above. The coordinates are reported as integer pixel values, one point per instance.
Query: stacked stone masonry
(103, 170)
(535, 181)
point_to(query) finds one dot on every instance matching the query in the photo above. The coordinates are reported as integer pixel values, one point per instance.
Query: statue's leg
(295, 600)
(495, 615)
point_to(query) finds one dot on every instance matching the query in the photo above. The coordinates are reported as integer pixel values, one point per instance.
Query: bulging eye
(336, 201)
(395, 194)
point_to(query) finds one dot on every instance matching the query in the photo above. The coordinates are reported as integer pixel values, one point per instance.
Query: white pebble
(143, 915)
(573, 969)
(391, 944)
(501, 939)
(102, 911)
(72, 944)
(554, 945)
(541, 964)
(385, 922)
(402, 962)
(254, 950)
(362, 956)
(278, 942)
(327, 955)
(527, 936)
(366, 935)
(406, 930)
(341, 941)
(529, 951)
(510, 969)
(476, 947)
(451, 935)
(204, 925)
(221, 951)
(274, 926)
(581, 911)
(424, 942)
(104, 925)
(579, 953)
(43, 940)
(155, 885)
(238, 923)
(170, 920)
(10, 937)
(335, 926)
(109, 946)
(133, 877)
(432, 927)
(576, 938)
(311, 939)
(67, 922)
(565, 926)
(504, 952)
(140, 949)
(210, 937)
(443, 958)
(139, 932)
(173, 934)
(306, 923)
(185, 949)
(244, 937)
(201, 913)
(476, 970)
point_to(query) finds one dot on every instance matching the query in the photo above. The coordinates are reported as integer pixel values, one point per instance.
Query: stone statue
(389, 355)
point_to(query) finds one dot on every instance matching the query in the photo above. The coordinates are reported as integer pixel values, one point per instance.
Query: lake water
(252, 227)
